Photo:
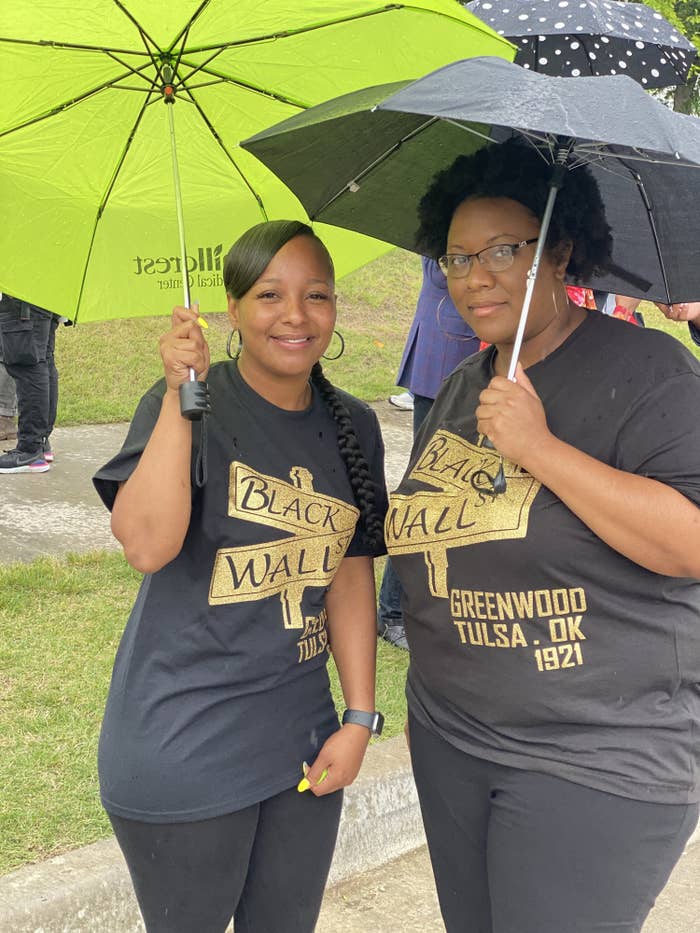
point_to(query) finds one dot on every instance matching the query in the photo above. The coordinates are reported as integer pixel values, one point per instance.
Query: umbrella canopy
(363, 161)
(86, 176)
(590, 37)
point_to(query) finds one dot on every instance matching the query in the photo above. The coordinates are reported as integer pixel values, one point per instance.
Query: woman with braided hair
(220, 694)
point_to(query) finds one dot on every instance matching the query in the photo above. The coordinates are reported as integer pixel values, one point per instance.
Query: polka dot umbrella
(572, 38)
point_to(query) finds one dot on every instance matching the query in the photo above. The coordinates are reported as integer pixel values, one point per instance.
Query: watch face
(378, 724)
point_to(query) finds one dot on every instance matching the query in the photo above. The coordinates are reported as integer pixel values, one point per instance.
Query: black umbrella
(364, 160)
(571, 38)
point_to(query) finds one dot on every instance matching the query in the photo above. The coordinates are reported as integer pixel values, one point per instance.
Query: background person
(220, 691)
(28, 340)
(438, 340)
(683, 311)
(554, 628)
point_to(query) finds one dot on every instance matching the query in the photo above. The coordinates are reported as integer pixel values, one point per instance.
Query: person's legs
(188, 877)
(53, 375)
(421, 406)
(390, 625)
(565, 857)
(25, 345)
(53, 389)
(454, 794)
(8, 404)
(8, 395)
(516, 851)
(289, 864)
(389, 616)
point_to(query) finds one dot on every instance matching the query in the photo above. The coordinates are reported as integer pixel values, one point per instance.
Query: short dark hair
(253, 251)
(517, 170)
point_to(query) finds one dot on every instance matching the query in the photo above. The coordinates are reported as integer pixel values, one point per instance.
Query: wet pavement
(50, 514)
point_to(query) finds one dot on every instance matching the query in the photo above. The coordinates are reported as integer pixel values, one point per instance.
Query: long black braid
(355, 463)
(245, 262)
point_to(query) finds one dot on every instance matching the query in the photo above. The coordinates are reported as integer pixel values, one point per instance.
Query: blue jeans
(390, 592)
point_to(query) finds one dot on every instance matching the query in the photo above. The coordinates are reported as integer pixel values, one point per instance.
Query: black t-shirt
(533, 643)
(220, 688)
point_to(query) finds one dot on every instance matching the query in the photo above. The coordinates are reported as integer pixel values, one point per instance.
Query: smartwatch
(372, 721)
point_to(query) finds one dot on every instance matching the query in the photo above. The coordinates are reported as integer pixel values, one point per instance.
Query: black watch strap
(372, 721)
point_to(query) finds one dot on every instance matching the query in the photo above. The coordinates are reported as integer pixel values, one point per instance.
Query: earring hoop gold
(234, 356)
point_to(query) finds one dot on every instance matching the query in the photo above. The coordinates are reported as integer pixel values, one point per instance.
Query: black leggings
(516, 851)
(265, 866)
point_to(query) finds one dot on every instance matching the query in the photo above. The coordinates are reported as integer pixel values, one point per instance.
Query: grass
(106, 367)
(61, 620)
(60, 623)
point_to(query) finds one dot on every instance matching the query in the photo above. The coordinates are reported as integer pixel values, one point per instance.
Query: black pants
(520, 852)
(265, 866)
(27, 341)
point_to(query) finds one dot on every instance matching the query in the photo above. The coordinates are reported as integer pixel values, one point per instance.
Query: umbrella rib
(148, 41)
(228, 155)
(301, 30)
(66, 104)
(652, 224)
(137, 72)
(105, 199)
(182, 35)
(238, 82)
(600, 151)
(405, 139)
(71, 46)
(353, 184)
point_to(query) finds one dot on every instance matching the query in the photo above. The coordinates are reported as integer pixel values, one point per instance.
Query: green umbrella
(100, 99)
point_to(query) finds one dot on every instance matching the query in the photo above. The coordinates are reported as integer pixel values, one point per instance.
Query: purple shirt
(438, 339)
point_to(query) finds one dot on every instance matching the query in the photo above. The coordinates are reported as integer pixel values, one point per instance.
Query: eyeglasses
(492, 258)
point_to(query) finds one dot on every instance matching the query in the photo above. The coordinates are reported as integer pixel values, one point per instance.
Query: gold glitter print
(321, 528)
(464, 508)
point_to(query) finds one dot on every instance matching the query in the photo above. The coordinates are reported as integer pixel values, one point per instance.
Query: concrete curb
(89, 890)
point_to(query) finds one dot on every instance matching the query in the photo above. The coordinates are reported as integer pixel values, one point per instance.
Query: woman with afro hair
(554, 624)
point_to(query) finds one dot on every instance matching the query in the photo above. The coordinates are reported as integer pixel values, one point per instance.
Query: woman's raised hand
(511, 415)
(183, 347)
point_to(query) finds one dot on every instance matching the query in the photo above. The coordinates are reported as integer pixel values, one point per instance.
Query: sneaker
(19, 461)
(8, 428)
(395, 635)
(403, 401)
(48, 453)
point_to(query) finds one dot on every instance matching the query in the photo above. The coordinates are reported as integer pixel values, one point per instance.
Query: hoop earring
(340, 352)
(556, 306)
(234, 356)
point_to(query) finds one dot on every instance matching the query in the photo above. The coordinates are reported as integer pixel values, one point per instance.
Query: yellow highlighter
(305, 783)
(202, 323)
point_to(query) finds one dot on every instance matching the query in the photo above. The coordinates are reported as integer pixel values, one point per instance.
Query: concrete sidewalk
(59, 511)
(399, 897)
(380, 879)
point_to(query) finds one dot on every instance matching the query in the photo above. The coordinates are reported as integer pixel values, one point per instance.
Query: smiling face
(490, 302)
(285, 319)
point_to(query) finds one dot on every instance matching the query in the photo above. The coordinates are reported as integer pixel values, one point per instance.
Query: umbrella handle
(498, 482)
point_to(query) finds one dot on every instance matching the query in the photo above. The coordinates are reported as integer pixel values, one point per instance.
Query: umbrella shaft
(531, 279)
(178, 205)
